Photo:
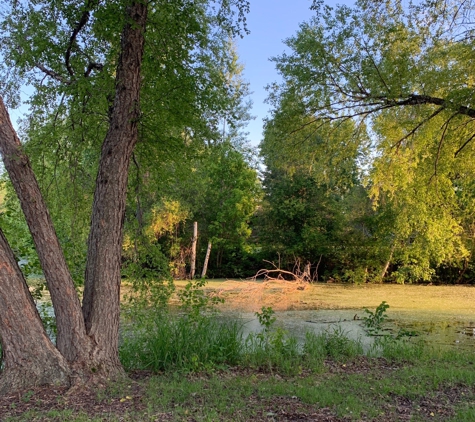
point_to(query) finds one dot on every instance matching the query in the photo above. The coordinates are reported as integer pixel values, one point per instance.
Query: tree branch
(413, 131)
(464, 145)
(56, 76)
(439, 148)
(93, 66)
(414, 99)
(79, 26)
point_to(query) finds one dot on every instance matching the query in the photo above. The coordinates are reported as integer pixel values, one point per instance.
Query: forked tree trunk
(87, 339)
(29, 357)
(193, 250)
(101, 302)
(205, 264)
(71, 339)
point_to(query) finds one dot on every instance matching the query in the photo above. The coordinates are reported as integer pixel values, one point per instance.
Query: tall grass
(198, 337)
(163, 341)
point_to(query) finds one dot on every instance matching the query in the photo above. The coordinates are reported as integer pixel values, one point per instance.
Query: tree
(221, 190)
(313, 190)
(68, 51)
(230, 200)
(302, 219)
(401, 73)
(357, 62)
(90, 340)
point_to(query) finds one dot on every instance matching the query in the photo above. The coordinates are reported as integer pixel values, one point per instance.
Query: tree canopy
(402, 74)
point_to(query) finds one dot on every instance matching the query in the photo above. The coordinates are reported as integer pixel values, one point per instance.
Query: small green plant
(272, 348)
(337, 345)
(195, 301)
(373, 322)
(27, 396)
(266, 318)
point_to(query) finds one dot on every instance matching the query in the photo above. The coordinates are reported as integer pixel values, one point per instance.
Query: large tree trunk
(87, 337)
(71, 339)
(29, 357)
(101, 305)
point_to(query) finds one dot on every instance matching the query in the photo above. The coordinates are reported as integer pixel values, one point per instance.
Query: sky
(270, 23)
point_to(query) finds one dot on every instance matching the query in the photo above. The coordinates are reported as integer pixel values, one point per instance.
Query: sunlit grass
(273, 375)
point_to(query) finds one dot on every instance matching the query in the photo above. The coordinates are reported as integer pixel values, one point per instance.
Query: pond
(441, 315)
(445, 331)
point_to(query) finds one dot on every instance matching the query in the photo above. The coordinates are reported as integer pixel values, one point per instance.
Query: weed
(165, 341)
(374, 324)
(266, 318)
(194, 301)
(272, 348)
(374, 320)
(399, 349)
(333, 343)
(27, 396)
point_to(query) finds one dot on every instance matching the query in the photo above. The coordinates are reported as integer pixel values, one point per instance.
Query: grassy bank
(197, 367)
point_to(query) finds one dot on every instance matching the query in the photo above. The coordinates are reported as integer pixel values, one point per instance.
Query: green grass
(374, 393)
(200, 368)
(163, 342)
(160, 341)
(439, 386)
(327, 372)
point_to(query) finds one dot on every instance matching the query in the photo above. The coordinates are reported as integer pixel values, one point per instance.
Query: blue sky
(270, 22)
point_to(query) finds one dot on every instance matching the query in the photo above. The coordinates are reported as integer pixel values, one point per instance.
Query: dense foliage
(391, 82)
(366, 168)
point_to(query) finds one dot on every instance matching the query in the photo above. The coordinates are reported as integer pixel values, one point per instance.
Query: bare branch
(439, 148)
(376, 67)
(53, 74)
(464, 145)
(297, 275)
(414, 130)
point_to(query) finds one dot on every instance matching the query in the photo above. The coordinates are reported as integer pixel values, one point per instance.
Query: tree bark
(193, 250)
(101, 302)
(388, 263)
(29, 357)
(205, 264)
(71, 339)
